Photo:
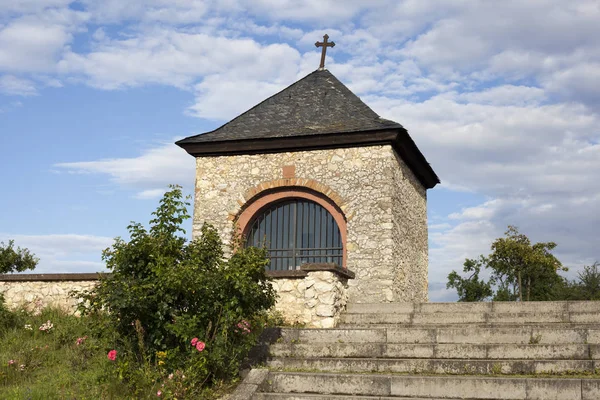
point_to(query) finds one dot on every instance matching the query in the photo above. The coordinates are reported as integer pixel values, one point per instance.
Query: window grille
(296, 232)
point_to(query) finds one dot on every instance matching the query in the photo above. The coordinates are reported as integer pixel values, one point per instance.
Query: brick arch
(268, 196)
(311, 184)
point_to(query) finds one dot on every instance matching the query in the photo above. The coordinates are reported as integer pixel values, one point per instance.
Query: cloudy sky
(503, 98)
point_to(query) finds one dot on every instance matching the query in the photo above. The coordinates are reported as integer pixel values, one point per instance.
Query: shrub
(7, 318)
(165, 292)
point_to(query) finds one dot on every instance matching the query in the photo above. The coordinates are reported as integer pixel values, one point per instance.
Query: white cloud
(150, 194)
(11, 85)
(31, 6)
(178, 59)
(63, 252)
(507, 95)
(323, 11)
(33, 43)
(148, 173)
(579, 82)
(167, 11)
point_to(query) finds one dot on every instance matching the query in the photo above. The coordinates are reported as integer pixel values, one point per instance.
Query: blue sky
(502, 98)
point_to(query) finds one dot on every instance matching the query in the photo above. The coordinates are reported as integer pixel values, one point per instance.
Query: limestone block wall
(315, 301)
(314, 297)
(35, 292)
(409, 235)
(361, 181)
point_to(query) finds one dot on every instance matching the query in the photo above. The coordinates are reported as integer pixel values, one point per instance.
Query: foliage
(471, 288)
(163, 292)
(519, 270)
(7, 318)
(15, 260)
(586, 286)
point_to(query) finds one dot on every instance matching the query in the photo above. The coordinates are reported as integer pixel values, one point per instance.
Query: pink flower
(200, 346)
(112, 355)
(159, 393)
(81, 340)
(244, 327)
(194, 341)
(11, 362)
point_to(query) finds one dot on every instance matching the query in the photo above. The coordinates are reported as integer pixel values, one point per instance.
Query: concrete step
(305, 396)
(435, 366)
(432, 387)
(458, 318)
(441, 351)
(477, 307)
(475, 334)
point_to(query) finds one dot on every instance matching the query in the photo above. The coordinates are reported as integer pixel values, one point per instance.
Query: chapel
(318, 178)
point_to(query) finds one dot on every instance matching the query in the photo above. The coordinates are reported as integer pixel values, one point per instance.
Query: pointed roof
(316, 104)
(318, 111)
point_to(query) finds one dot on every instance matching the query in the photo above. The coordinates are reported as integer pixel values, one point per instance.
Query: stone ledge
(306, 268)
(287, 274)
(93, 276)
(329, 267)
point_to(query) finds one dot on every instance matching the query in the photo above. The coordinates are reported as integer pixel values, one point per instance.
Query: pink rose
(194, 341)
(200, 346)
(159, 393)
(112, 355)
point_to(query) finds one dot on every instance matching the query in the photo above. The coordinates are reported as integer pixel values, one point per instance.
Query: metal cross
(324, 44)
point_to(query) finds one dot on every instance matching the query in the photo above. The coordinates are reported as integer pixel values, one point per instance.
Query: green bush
(7, 318)
(163, 293)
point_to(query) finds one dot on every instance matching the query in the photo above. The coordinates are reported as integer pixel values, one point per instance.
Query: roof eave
(397, 137)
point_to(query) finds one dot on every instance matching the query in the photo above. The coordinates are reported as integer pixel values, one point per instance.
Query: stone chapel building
(323, 182)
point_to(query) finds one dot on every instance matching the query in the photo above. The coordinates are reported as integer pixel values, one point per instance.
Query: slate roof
(316, 104)
(316, 112)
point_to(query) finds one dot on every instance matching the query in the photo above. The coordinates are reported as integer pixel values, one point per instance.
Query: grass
(36, 364)
(48, 365)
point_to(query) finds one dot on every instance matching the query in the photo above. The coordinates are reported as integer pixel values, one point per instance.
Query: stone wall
(362, 181)
(313, 297)
(37, 291)
(409, 236)
(315, 300)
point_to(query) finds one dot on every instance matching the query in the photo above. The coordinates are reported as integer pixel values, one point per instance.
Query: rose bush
(164, 293)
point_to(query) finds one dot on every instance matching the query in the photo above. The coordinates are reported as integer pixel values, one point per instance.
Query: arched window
(295, 232)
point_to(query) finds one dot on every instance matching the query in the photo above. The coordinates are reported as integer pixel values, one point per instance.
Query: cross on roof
(324, 44)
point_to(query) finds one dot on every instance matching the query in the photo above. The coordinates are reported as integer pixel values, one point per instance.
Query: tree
(15, 260)
(471, 288)
(587, 285)
(519, 270)
(589, 282)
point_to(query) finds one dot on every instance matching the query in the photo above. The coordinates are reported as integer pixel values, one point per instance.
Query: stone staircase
(537, 350)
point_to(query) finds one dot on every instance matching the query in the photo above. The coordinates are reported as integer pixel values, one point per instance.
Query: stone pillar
(313, 296)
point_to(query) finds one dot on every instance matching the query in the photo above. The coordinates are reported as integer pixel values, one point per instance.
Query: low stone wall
(36, 291)
(313, 296)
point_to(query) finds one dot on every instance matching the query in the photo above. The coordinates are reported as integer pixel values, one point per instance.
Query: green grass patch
(66, 360)
(42, 360)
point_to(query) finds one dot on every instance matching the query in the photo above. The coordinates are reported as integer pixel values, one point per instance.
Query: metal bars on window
(296, 232)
